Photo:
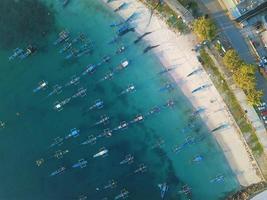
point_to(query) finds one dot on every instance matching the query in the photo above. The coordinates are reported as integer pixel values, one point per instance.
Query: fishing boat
(104, 120)
(154, 110)
(198, 111)
(123, 5)
(108, 76)
(127, 160)
(39, 162)
(200, 88)
(123, 125)
(130, 88)
(16, 52)
(62, 36)
(123, 195)
(81, 93)
(169, 104)
(197, 159)
(163, 187)
(81, 37)
(105, 59)
(107, 133)
(57, 89)
(80, 164)
(123, 64)
(59, 153)
(73, 133)
(65, 47)
(138, 118)
(97, 105)
(42, 85)
(217, 179)
(111, 184)
(186, 190)
(58, 171)
(29, 51)
(159, 144)
(58, 141)
(102, 153)
(141, 169)
(194, 72)
(120, 50)
(71, 54)
(90, 140)
(82, 197)
(58, 106)
(167, 87)
(75, 80)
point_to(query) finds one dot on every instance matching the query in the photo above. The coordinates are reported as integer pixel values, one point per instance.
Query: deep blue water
(32, 123)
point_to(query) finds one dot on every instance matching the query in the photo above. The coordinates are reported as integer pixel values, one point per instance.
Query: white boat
(103, 152)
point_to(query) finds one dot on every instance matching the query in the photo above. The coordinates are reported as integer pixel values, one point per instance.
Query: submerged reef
(23, 22)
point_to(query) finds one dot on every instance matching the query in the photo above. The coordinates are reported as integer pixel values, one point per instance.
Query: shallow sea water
(32, 124)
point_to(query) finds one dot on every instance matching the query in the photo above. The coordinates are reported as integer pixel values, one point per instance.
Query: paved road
(235, 37)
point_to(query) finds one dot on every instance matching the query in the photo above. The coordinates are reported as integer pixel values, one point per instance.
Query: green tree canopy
(254, 97)
(232, 60)
(244, 77)
(205, 28)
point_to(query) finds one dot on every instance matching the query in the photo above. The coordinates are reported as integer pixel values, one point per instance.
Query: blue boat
(58, 171)
(16, 52)
(62, 36)
(218, 179)
(73, 133)
(125, 29)
(80, 164)
(198, 159)
(163, 189)
(98, 105)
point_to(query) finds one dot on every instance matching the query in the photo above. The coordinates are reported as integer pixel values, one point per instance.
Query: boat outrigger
(97, 105)
(104, 120)
(90, 140)
(62, 36)
(42, 85)
(81, 93)
(163, 189)
(58, 141)
(123, 195)
(57, 89)
(73, 133)
(58, 171)
(111, 184)
(127, 160)
(16, 53)
(102, 153)
(80, 164)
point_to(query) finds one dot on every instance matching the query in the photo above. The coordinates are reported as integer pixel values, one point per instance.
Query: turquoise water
(32, 123)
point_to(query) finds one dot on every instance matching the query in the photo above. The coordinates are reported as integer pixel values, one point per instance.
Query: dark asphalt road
(235, 37)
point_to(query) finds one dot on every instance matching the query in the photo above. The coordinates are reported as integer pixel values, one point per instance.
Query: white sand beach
(177, 49)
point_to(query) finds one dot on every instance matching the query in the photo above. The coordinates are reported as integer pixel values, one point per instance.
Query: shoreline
(173, 48)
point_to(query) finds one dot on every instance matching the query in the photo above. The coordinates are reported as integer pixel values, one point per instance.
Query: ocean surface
(30, 123)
